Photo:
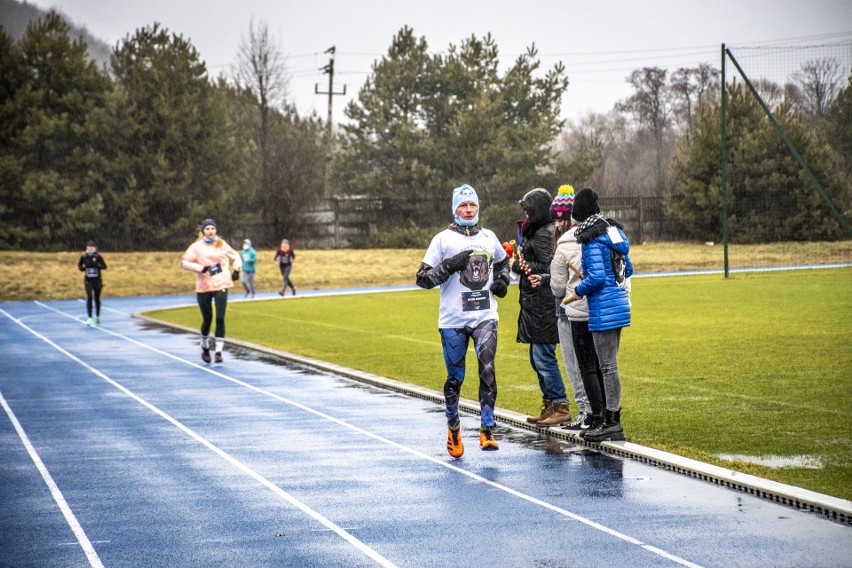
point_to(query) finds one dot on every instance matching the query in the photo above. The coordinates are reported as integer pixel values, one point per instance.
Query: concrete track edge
(838, 510)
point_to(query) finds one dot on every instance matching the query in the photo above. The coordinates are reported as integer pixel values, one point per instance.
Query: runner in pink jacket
(216, 266)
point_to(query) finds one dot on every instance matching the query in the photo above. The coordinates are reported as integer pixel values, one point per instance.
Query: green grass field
(757, 365)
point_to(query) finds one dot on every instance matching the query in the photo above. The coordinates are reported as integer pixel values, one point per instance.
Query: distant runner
(92, 263)
(286, 258)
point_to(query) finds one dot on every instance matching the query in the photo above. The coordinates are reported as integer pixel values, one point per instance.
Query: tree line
(136, 154)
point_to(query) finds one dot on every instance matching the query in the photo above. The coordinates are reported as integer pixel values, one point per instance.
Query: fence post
(724, 164)
(335, 238)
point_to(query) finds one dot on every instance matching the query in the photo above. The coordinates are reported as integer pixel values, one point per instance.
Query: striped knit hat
(562, 203)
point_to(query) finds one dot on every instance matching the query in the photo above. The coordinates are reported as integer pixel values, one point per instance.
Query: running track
(118, 447)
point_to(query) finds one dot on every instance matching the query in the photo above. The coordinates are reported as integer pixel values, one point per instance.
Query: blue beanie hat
(206, 222)
(462, 194)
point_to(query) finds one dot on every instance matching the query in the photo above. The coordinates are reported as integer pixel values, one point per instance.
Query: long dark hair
(557, 233)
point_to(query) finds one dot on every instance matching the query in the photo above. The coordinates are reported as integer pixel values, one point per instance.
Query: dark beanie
(206, 222)
(585, 204)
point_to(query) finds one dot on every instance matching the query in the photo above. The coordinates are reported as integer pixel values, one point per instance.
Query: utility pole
(329, 69)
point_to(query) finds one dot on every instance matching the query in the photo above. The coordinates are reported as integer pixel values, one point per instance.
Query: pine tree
(770, 198)
(172, 155)
(423, 124)
(49, 169)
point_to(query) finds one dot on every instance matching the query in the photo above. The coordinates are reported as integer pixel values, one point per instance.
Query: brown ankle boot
(561, 414)
(546, 409)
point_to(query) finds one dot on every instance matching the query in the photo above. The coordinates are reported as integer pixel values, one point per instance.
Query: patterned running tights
(455, 342)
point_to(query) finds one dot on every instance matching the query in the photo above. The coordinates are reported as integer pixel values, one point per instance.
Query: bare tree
(693, 89)
(774, 95)
(820, 80)
(706, 78)
(588, 136)
(261, 68)
(651, 106)
(771, 92)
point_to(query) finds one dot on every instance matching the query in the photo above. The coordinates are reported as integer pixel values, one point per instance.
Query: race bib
(476, 300)
(93, 272)
(215, 269)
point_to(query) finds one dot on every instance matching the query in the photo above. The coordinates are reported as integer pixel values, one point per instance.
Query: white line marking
(403, 448)
(107, 309)
(751, 269)
(70, 518)
(381, 560)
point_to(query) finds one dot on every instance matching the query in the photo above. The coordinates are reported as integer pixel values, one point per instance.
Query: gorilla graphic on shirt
(475, 275)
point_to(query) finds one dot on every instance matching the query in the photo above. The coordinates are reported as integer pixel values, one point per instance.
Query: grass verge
(29, 275)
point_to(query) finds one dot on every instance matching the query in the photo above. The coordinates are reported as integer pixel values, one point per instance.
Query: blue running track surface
(120, 448)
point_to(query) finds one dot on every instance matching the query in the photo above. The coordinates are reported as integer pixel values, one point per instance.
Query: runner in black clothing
(91, 264)
(286, 258)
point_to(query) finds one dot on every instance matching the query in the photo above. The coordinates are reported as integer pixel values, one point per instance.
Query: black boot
(610, 430)
(597, 422)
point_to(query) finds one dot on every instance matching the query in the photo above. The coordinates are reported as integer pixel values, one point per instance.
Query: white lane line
(381, 560)
(107, 309)
(448, 465)
(70, 518)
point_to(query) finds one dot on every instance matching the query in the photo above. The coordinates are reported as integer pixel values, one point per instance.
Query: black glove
(235, 275)
(499, 288)
(458, 262)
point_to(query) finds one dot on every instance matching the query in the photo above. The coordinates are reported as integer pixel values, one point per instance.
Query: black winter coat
(91, 264)
(537, 318)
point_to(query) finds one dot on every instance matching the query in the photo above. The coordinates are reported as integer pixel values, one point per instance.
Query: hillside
(15, 16)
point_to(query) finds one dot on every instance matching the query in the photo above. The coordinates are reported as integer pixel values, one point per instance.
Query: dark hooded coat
(537, 318)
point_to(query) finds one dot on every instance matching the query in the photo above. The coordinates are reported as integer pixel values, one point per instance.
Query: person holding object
(606, 270)
(285, 257)
(249, 258)
(217, 267)
(537, 316)
(92, 263)
(574, 318)
(472, 268)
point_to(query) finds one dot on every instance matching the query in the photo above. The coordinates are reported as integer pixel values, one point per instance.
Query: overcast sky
(599, 41)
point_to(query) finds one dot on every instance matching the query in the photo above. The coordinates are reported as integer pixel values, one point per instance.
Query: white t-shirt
(466, 298)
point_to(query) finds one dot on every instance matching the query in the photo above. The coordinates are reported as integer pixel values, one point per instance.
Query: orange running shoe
(454, 442)
(486, 440)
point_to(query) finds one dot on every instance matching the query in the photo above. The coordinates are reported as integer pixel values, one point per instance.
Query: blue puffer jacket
(609, 307)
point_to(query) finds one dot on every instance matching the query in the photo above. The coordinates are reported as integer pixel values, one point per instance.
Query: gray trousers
(248, 282)
(606, 346)
(572, 368)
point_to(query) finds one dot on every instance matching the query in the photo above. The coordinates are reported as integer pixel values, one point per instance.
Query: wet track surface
(161, 460)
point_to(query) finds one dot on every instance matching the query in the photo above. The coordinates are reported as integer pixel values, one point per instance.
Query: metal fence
(344, 222)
